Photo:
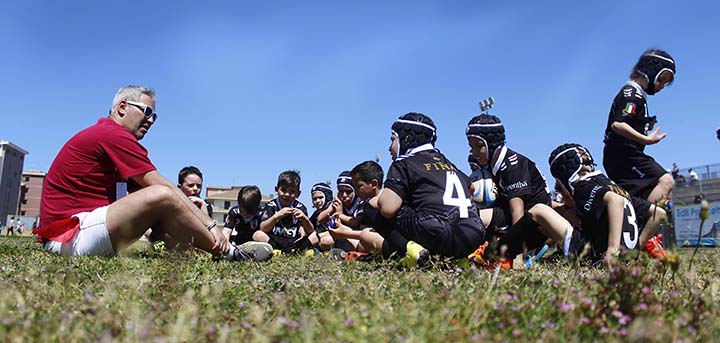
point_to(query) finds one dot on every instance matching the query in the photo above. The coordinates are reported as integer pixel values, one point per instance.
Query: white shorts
(91, 239)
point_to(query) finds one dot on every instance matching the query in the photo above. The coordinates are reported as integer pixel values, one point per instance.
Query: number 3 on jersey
(630, 229)
(453, 186)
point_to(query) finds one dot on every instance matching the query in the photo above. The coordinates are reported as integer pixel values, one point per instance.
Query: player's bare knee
(667, 182)
(539, 211)
(659, 213)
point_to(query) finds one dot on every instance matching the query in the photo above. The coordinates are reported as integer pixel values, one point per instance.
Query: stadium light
(486, 105)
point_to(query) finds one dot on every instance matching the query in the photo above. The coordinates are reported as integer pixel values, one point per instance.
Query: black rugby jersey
(519, 177)
(588, 195)
(240, 227)
(629, 106)
(319, 227)
(428, 182)
(287, 226)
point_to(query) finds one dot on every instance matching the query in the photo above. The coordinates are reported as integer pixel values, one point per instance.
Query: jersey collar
(637, 87)
(413, 151)
(501, 157)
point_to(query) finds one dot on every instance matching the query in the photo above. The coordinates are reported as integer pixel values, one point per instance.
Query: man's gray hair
(131, 93)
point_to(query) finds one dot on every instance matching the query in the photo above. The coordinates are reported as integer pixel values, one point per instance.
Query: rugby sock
(566, 241)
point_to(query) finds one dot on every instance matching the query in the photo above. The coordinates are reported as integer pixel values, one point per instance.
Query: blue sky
(249, 89)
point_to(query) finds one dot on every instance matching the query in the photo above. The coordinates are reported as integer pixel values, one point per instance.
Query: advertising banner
(687, 224)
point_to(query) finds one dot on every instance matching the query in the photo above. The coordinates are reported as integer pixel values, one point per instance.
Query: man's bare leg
(158, 207)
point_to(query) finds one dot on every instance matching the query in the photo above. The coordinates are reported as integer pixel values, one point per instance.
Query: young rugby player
(347, 204)
(190, 181)
(523, 217)
(426, 198)
(285, 224)
(367, 180)
(630, 128)
(244, 219)
(346, 209)
(322, 199)
(611, 219)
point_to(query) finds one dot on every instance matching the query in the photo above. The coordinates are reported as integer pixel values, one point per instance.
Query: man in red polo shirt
(84, 209)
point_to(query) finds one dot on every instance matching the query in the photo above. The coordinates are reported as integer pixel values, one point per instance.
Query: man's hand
(655, 137)
(222, 245)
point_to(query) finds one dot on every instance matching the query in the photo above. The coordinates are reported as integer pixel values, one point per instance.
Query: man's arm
(625, 130)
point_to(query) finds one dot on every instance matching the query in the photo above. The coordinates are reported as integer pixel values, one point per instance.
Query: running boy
(523, 212)
(630, 128)
(426, 198)
(612, 220)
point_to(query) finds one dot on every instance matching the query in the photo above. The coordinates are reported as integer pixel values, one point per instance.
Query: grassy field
(167, 297)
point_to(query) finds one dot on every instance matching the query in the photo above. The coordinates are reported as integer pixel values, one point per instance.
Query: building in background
(30, 193)
(12, 158)
(223, 198)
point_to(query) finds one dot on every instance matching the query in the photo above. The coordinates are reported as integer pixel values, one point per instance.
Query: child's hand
(655, 136)
(285, 211)
(299, 215)
(337, 205)
(335, 225)
(197, 201)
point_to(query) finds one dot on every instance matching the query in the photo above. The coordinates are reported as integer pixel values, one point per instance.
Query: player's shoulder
(631, 90)
(300, 205)
(513, 159)
(271, 205)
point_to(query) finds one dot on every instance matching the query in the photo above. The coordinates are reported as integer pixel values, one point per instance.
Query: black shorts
(642, 210)
(241, 237)
(344, 244)
(595, 232)
(448, 236)
(501, 220)
(634, 171)
(284, 244)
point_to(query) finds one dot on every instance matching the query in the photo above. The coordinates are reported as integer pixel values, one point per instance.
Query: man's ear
(375, 183)
(122, 107)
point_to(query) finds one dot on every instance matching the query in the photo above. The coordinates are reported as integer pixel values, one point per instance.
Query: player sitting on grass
(611, 219)
(523, 212)
(425, 197)
(285, 223)
(367, 180)
(244, 219)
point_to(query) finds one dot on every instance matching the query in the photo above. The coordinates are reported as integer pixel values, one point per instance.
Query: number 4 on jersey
(454, 186)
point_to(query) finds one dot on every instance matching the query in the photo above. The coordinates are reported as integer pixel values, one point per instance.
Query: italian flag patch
(630, 108)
